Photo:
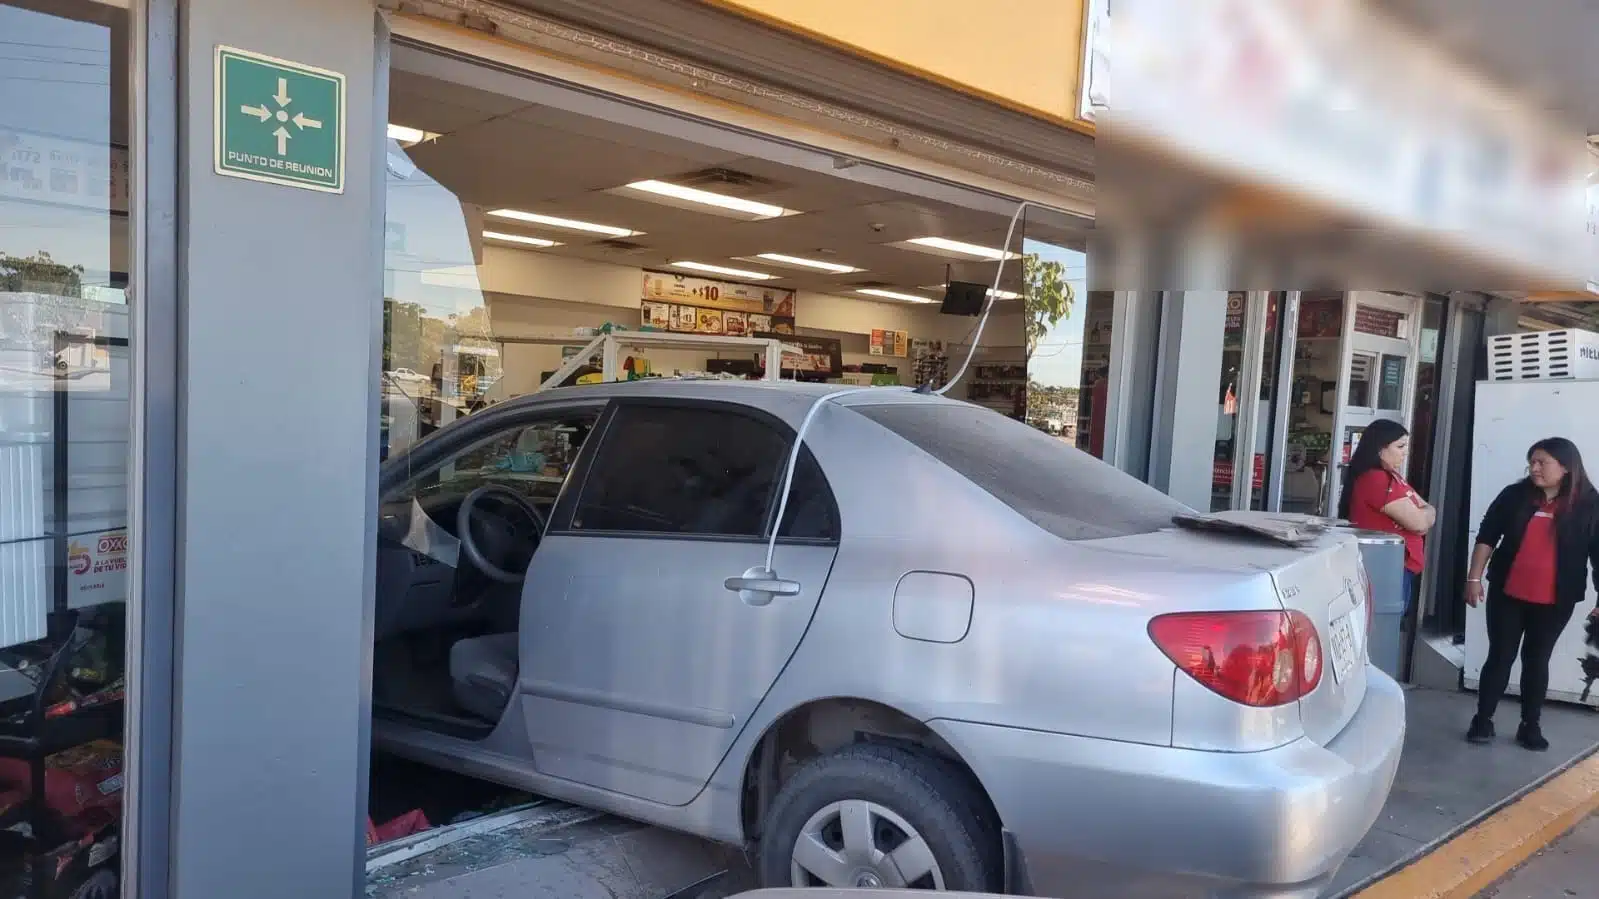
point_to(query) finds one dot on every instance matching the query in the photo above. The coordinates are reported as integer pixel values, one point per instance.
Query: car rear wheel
(878, 816)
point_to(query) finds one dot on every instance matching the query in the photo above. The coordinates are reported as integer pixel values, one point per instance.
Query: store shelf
(644, 339)
(608, 347)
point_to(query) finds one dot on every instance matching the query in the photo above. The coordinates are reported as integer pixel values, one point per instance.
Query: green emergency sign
(279, 122)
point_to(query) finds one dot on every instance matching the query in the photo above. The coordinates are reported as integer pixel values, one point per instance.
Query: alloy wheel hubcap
(864, 845)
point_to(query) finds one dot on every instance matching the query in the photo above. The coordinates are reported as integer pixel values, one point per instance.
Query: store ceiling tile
(406, 90)
(656, 220)
(890, 222)
(614, 137)
(809, 191)
(436, 117)
(846, 234)
(511, 163)
(556, 163)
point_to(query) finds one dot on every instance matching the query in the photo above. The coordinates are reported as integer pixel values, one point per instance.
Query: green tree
(57, 305)
(402, 335)
(39, 273)
(1047, 297)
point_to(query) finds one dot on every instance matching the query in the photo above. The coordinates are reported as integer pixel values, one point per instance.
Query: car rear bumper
(1095, 817)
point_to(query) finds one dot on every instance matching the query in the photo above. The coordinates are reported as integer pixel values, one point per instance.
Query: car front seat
(483, 672)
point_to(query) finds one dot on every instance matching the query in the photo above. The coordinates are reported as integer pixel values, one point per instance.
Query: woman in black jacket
(1537, 544)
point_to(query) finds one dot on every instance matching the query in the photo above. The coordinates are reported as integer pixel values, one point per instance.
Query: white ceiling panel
(496, 153)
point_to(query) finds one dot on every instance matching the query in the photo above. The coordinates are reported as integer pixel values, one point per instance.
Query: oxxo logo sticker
(114, 543)
(78, 558)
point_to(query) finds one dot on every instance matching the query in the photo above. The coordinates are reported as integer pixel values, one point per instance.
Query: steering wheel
(506, 532)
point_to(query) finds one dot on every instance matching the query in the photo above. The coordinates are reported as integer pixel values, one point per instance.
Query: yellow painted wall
(1024, 53)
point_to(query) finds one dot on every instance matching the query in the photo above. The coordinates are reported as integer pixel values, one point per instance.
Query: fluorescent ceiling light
(891, 295)
(724, 270)
(408, 135)
(996, 294)
(706, 198)
(961, 248)
(551, 221)
(521, 239)
(834, 267)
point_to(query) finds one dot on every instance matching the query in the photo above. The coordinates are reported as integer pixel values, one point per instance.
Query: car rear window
(1061, 489)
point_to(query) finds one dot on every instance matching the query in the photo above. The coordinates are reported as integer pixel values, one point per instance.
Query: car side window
(531, 459)
(695, 470)
(812, 513)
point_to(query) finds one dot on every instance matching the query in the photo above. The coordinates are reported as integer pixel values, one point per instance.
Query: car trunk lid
(1314, 569)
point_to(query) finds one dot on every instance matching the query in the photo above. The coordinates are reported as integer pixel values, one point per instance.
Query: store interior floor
(532, 846)
(1445, 784)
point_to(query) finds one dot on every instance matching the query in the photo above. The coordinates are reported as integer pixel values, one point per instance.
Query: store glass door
(1379, 373)
(1251, 342)
(66, 398)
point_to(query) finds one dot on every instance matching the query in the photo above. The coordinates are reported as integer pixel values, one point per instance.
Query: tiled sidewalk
(1445, 783)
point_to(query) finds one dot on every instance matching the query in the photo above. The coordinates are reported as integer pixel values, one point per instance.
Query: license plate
(1342, 649)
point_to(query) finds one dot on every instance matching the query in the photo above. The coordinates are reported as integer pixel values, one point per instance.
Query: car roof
(787, 400)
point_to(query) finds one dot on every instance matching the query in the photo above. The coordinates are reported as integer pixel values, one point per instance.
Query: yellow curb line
(1479, 857)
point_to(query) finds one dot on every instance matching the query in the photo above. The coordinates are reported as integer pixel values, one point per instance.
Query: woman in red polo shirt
(1377, 498)
(1537, 544)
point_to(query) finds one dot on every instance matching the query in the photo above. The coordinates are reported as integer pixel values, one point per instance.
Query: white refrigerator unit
(1511, 416)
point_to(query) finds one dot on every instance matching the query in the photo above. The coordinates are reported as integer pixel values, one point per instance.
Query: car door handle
(773, 586)
(758, 587)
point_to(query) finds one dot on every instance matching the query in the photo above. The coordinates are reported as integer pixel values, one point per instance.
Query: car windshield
(1061, 489)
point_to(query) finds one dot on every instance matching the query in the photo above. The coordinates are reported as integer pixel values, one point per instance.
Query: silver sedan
(965, 657)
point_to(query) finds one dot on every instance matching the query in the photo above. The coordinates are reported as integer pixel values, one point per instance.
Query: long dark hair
(1379, 435)
(1576, 487)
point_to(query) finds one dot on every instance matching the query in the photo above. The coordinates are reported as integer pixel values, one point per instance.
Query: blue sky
(1059, 359)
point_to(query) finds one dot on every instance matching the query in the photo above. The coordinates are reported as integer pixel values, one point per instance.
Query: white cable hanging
(971, 352)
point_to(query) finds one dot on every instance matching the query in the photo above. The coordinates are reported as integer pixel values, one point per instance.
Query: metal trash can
(1384, 557)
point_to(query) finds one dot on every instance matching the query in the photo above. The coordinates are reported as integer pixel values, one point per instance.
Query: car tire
(909, 794)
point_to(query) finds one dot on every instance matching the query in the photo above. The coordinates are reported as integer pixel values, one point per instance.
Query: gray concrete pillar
(1183, 441)
(280, 316)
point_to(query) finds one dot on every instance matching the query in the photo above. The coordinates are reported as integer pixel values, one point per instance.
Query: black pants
(1533, 629)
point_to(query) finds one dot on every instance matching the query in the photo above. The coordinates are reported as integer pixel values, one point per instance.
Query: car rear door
(639, 667)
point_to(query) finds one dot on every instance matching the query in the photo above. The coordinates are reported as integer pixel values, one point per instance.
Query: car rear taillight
(1259, 659)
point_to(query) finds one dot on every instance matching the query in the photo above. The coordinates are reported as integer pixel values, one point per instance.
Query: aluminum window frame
(154, 457)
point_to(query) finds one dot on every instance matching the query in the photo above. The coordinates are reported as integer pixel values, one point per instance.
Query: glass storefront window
(1068, 343)
(1267, 428)
(1251, 342)
(1228, 402)
(64, 438)
(1391, 383)
(1362, 371)
(1313, 403)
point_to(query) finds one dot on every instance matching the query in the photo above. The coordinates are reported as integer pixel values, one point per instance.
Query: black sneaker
(1481, 730)
(1530, 736)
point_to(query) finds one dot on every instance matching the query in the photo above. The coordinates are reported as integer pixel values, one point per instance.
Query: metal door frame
(1282, 400)
(1454, 384)
(1412, 307)
(153, 459)
(1246, 431)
